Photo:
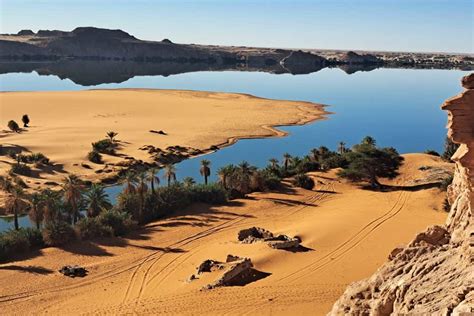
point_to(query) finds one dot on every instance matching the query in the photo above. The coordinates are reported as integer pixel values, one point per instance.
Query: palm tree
(111, 135)
(315, 154)
(51, 205)
(341, 148)
(130, 181)
(96, 200)
(205, 171)
(15, 204)
(368, 140)
(170, 173)
(273, 163)
(225, 173)
(296, 162)
(26, 120)
(244, 173)
(6, 183)
(142, 189)
(72, 188)
(323, 152)
(188, 182)
(36, 213)
(152, 177)
(286, 160)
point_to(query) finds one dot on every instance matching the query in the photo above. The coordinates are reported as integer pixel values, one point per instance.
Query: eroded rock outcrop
(434, 274)
(234, 271)
(299, 62)
(353, 58)
(258, 234)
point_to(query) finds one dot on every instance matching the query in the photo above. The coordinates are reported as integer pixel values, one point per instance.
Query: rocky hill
(434, 274)
(89, 43)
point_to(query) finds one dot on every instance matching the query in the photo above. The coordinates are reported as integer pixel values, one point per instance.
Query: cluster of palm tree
(321, 158)
(66, 205)
(241, 178)
(74, 199)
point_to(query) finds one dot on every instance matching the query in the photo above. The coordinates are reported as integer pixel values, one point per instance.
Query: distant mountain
(89, 56)
(90, 43)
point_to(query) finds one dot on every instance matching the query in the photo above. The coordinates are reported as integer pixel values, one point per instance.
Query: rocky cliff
(90, 43)
(434, 274)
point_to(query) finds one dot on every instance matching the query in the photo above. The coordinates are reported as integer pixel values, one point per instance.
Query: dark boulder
(73, 271)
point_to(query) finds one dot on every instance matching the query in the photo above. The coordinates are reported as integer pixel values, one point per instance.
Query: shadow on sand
(27, 269)
(409, 188)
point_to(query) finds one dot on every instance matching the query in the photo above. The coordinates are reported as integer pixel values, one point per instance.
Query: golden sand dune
(64, 124)
(348, 233)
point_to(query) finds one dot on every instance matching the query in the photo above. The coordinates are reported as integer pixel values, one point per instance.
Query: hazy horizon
(402, 25)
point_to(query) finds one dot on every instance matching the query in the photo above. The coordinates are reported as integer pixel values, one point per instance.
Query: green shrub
(173, 198)
(303, 181)
(39, 158)
(12, 154)
(5, 183)
(57, 233)
(445, 183)
(335, 161)
(19, 182)
(432, 152)
(104, 146)
(13, 242)
(34, 237)
(12, 125)
(130, 204)
(270, 179)
(210, 193)
(87, 228)
(308, 166)
(446, 205)
(94, 156)
(449, 148)
(32, 158)
(20, 168)
(120, 223)
(366, 162)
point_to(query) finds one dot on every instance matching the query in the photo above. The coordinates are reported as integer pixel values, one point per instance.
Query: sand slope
(349, 233)
(64, 124)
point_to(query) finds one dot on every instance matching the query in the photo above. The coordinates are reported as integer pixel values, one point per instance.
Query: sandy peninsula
(347, 232)
(64, 124)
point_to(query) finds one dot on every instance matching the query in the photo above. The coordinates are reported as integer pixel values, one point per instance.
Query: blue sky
(393, 25)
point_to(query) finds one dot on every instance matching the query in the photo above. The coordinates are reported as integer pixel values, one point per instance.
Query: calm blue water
(400, 108)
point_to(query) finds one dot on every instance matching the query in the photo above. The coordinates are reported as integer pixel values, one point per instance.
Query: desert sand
(64, 124)
(349, 232)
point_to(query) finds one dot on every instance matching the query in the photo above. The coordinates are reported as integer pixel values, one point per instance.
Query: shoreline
(303, 113)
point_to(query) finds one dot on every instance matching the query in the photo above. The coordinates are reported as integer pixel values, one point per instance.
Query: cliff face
(299, 62)
(104, 44)
(434, 274)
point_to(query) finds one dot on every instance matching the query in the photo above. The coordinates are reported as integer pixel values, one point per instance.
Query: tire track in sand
(364, 231)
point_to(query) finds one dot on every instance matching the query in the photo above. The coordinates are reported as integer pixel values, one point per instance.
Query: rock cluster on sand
(257, 234)
(434, 274)
(235, 270)
(73, 271)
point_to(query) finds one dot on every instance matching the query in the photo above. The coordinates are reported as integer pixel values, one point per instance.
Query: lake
(398, 107)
